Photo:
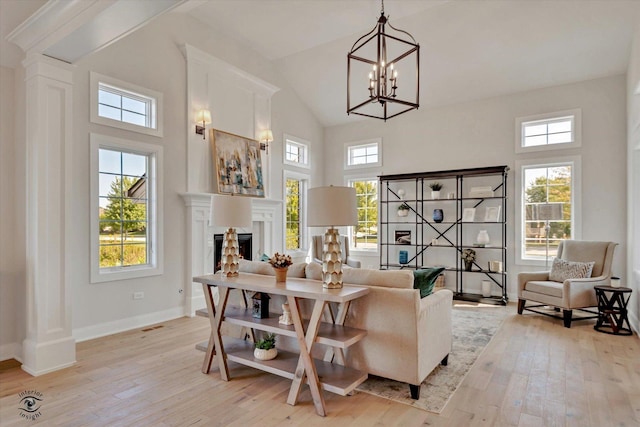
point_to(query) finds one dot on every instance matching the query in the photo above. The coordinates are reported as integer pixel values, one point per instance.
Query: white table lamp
(230, 211)
(331, 207)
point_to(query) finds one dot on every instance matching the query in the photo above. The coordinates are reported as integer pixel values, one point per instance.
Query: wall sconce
(266, 136)
(204, 117)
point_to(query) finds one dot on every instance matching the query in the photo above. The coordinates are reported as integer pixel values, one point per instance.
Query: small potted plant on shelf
(435, 190)
(266, 348)
(468, 256)
(403, 209)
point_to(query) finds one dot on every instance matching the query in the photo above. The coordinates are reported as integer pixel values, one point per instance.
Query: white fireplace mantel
(267, 233)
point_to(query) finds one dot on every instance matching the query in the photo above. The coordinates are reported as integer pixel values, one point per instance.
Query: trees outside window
(364, 236)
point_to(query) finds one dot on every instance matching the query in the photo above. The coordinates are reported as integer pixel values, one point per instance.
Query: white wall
(152, 58)
(9, 273)
(632, 276)
(481, 133)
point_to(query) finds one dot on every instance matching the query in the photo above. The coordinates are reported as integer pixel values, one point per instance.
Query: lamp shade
(266, 135)
(230, 211)
(203, 116)
(331, 206)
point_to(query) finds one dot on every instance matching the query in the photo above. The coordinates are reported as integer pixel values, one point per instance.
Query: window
(363, 154)
(549, 193)
(296, 152)
(125, 189)
(548, 131)
(295, 193)
(126, 106)
(364, 236)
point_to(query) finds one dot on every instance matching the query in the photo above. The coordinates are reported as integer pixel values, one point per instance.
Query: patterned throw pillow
(562, 270)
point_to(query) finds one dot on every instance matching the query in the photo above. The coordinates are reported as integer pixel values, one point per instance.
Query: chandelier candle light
(331, 207)
(381, 52)
(230, 211)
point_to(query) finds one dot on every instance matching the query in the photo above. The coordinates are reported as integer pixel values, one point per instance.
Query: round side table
(612, 310)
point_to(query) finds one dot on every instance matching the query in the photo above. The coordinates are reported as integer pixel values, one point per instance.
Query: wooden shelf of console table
(300, 368)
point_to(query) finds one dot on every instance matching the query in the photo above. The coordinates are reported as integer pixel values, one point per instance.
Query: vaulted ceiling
(469, 49)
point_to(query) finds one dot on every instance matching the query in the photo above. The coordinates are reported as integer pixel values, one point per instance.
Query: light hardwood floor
(534, 372)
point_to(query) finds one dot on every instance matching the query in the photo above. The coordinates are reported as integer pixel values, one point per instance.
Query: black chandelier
(384, 98)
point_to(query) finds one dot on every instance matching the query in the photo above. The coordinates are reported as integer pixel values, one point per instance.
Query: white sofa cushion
(297, 269)
(385, 278)
(545, 287)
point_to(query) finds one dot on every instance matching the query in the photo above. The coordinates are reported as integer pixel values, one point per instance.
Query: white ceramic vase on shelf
(483, 238)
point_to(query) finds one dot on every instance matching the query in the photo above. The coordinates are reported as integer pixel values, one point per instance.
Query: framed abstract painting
(238, 164)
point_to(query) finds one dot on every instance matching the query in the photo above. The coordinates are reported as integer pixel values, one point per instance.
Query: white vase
(483, 238)
(403, 212)
(261, 354)
(486, 288)
(435, 194)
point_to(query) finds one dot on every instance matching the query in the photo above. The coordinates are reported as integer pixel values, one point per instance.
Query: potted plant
(468, 256)
(435, 190)
(403, 209)
(266, 348)
(281, 263)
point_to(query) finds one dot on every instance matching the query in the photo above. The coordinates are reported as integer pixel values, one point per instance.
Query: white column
(49, 344)
(199, 246)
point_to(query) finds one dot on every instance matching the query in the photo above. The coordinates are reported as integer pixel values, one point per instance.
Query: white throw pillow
(562, 270)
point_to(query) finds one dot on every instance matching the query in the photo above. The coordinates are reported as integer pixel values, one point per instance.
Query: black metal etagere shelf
(448, 238)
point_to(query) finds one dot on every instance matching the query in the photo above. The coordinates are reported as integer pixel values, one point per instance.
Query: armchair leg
(521, 303)
(566, 314)
(415, 391)
(445, 361)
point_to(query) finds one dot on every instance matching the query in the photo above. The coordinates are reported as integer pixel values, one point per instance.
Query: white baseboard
(12, 350)
(110, 328)
(197, 302)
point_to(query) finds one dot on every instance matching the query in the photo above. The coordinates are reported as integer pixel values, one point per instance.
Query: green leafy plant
(404, 207)
(267, 343)
(435, 186)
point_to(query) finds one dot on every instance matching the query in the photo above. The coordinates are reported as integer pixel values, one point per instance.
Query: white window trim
(576, 208)
(352, 249)
(349, 145)
(96, 79)
(576, 131)
(304, 228)
(154, 191)
(299, 141)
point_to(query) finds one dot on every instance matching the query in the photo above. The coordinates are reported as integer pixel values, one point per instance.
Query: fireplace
(244, 240)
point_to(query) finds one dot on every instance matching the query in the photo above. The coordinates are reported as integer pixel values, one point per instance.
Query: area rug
(473, 328)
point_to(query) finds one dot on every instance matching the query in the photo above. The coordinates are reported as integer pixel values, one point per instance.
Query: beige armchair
(572, 294)
(316, 251)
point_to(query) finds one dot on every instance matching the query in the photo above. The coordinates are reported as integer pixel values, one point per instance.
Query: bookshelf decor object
(474, 217)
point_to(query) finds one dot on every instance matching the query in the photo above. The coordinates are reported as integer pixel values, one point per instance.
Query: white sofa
(407, 337)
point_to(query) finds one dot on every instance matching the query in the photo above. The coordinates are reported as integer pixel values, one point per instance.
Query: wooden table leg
(211, 350)
(215, 332)
(306, 367)
(337, 320)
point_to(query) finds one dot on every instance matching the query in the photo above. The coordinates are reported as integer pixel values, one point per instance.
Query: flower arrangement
(468, 255)
(280, 261)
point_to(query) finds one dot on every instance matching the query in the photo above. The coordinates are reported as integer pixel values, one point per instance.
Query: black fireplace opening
(244, 240)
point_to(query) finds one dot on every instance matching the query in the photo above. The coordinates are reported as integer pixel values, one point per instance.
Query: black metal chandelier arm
(366, 35)
(402, 31)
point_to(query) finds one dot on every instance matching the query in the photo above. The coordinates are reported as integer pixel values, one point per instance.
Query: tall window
(363, 154)
(548, 131)
(548, 197)
(124, 105)
(364, 236)
(294, 226)
(125, 192)
(296, 152)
